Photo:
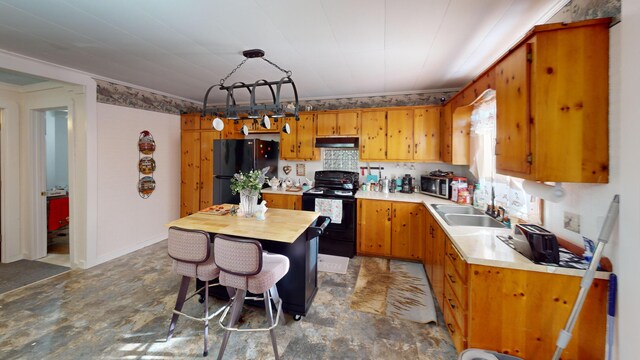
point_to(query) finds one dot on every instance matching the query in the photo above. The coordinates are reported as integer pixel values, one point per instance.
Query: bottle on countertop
(392, 184)
(478, 198)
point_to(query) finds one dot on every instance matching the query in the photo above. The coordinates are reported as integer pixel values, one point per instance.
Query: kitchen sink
(456, 209)
(472, 220)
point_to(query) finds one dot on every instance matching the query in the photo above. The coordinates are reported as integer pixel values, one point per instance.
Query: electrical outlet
(572, 222)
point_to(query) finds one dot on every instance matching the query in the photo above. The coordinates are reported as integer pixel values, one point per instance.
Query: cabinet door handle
(453, 306)
(453, 257)
(451, 329)
(389, 214)
(451, 278)
(415, 148)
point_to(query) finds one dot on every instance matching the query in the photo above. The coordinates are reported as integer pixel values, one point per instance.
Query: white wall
(126, 222)
(628, 243)
(10, 170)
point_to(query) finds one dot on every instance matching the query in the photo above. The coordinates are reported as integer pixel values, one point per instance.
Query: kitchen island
(287, 232)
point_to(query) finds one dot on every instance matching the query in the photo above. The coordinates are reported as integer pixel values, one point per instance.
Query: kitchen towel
(331, 208)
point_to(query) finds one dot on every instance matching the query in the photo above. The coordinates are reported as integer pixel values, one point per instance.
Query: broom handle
(565, 334)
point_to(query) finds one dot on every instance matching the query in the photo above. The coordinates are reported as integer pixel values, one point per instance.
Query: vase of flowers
(248, 185)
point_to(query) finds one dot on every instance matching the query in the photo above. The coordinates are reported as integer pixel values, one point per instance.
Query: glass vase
(248, 202)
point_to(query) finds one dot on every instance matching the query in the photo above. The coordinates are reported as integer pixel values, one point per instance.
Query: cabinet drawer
(456, 260)
(459, 313)
(459, 288)
(459, 341)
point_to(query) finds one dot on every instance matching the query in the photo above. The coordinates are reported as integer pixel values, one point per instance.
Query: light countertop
(281, 191)
(279, 224)
(477, 245)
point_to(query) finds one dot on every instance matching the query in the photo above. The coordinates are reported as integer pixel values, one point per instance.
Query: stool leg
(206, 319)
(182, 294)
(276, 300)
(269, 311)
(236, 309)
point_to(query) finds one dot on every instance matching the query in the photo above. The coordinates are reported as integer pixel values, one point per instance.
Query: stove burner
(317, 190)
(343, 192)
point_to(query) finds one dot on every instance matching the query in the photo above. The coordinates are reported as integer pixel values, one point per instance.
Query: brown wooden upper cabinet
(338, 123)
(552, 104)
(299, 144)
(401, 134)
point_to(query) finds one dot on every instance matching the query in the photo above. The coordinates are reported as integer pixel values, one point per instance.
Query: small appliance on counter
(535, 243)
(437, 183)
(407, 184)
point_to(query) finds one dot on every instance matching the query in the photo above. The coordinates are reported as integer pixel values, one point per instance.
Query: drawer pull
(451, 278)
(453, 256)
(451, 328)
(453, 306)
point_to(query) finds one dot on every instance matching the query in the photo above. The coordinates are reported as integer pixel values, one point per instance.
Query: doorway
(54, 179)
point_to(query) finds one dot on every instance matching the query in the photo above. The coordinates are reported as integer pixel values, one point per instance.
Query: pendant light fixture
(253, 110)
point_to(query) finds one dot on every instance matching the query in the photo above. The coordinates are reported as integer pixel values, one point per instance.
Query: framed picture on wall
(300, 170)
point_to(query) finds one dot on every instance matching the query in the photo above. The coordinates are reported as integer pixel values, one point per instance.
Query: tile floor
(121, 309)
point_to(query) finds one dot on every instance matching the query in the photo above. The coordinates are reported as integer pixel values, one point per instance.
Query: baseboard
(121, 252)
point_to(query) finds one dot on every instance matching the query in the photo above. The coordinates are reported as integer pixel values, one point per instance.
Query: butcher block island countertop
(279, 224)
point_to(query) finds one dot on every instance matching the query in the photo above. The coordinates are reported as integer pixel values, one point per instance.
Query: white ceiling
(335, 48)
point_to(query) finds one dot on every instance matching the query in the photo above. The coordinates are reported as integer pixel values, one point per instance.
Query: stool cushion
(274, 268)
(205, 271)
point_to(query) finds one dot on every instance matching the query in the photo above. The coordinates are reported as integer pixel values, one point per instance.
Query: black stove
(334, 196)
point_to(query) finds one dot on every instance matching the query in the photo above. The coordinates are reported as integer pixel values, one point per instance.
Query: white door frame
(38, 243)
(10, 177)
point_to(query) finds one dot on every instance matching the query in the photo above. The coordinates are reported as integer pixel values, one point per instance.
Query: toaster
(536, 243)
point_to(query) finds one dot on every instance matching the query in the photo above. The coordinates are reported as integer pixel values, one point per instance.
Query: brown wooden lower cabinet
(389, 228)
(283, 201)
(519, 312)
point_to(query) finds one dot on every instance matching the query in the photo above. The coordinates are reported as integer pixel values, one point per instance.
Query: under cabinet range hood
(337, 142)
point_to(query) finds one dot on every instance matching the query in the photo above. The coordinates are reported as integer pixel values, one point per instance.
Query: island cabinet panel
(373, 139)
(283, 201)
(552, 105)
(513, 82)
(189, 172)
(426, 134)
(374, 227)
(400, 134)
(407, 231)
(522, 312)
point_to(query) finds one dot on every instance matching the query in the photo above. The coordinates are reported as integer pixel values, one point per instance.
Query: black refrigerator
(232, 156)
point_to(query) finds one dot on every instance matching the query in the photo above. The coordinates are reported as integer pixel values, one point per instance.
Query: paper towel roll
(548, 192)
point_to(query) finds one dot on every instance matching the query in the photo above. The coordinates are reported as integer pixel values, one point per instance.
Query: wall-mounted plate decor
(146, 164)
(146, 185)
(146, 144)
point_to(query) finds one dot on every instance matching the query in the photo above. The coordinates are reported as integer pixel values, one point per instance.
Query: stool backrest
(237, 256)
(190, 246)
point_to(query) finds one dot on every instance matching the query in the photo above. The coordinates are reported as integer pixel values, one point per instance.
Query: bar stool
(244, 267)
(191, 251)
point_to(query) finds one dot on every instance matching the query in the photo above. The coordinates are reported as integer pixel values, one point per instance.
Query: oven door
(348, 220)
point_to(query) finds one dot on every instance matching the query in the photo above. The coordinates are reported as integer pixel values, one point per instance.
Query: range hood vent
(337, 142)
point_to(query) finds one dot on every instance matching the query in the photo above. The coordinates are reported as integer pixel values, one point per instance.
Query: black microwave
(439, 186)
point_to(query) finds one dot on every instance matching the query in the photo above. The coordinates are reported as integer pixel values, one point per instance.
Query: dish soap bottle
(478, 198)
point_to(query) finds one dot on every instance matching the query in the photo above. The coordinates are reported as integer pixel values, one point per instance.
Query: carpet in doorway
(58, 241)
(333, 264)
(24, 272)
(393, 288)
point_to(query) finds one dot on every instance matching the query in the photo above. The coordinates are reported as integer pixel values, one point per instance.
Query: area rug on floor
(393, 288)
(334, 264)
(23, 272)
